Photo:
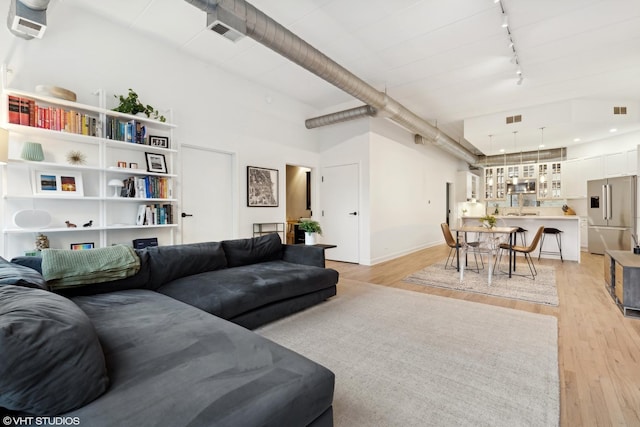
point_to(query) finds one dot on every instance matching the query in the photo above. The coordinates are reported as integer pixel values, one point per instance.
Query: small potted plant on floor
(310, 228)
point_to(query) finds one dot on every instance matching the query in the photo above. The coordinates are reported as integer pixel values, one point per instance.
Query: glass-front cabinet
(550, 180)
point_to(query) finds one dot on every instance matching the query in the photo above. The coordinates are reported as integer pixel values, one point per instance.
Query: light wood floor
(598, 348)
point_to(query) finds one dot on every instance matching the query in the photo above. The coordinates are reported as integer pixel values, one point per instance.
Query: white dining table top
(481, 229)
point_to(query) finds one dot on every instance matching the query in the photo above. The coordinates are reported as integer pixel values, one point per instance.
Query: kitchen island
(569, 224)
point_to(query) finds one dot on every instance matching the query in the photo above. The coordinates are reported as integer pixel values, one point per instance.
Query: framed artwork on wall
(54, 183)
(262, 187)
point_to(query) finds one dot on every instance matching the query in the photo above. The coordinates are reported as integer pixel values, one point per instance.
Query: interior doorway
(298, 183)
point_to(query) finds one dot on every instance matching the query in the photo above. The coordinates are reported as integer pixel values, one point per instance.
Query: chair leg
(541, 244)
(532, 266)
(559, 240)
(446, 264)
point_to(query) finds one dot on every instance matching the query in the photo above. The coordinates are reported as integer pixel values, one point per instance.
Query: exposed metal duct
(340, 116)
(550, 155)
(270, 33)
(28, 18)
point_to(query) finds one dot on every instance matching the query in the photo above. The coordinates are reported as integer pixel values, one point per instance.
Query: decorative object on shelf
(32, 218)
(4, 146)
(81, 246)
(310, 228)
(88, 224)
(117, 184)
(56, 92)
(262, 187)
(567, 210)
(70, 224)
(156, 163)
(32, 151)
(75, 157)
(58, 183)
(122, 164)
(133, 165)
(132, 105)
(488, 221)
(159, 141)
(42, 242)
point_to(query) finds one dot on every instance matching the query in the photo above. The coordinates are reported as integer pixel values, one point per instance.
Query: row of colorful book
(147, 187)
(155, 214)
(27, 112)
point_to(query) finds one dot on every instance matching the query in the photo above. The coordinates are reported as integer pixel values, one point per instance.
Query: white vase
(309, 238)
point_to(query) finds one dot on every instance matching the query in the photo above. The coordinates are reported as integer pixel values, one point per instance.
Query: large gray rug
(403, 358)
(542, 290)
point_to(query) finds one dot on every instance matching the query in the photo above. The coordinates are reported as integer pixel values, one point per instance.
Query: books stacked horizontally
(25, 111)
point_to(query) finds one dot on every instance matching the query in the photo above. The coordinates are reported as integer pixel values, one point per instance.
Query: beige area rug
(404, 358)
(542, 290)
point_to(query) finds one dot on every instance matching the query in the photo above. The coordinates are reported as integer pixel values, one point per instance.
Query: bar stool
(558, 234)
(523, 233)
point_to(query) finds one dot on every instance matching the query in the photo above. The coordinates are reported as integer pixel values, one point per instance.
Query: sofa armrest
(303, 254)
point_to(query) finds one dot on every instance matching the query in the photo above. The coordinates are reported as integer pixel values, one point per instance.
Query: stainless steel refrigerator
(611, 204)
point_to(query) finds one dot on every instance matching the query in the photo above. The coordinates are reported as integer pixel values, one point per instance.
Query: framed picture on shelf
(262, 187)
(159, 141)
(156, 163)
(58, 183)
(82, 246)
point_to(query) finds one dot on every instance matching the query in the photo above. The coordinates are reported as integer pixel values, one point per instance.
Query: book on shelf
(155, 214)
(28, 112)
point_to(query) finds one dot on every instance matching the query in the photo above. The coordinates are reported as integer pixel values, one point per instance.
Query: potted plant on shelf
(310, 227)
(132, 105)
(488, 221)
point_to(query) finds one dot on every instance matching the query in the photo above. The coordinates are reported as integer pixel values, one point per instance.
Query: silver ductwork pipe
(271, 34)
(550, 155)
(340, 116)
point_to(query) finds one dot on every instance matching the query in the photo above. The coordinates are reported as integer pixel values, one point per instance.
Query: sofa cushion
(171, 364)
(50, 357)
(14, 274)
(167, 263)
(254, 250)
(234, 291)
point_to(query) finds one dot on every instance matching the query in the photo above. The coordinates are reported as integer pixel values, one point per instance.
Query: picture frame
(81, 246)
(262, 187)
(159, 141)
(156, 162)
(57, 183)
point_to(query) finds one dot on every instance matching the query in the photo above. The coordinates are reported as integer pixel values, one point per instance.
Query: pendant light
(542, 176)
(490, 181)
(515, 145)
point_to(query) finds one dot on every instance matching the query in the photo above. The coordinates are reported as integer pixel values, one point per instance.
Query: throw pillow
(50, 358)
(254, 250)
(14, 274)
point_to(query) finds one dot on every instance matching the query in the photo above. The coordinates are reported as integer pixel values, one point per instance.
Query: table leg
(458, 252)
(511, 253)
(490, 266)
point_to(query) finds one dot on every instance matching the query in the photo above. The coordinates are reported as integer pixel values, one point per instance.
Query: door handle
(183, 215)
(353, 213)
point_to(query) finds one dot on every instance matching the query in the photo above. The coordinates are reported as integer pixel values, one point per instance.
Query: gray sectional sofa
(169, 345)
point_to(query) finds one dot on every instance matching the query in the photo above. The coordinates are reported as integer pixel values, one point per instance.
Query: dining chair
(463, 245)
(525, 250)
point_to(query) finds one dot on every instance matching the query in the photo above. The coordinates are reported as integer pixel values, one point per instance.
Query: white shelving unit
(114, 219)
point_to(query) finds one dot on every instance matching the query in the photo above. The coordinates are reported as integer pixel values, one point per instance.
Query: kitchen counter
(569, 224)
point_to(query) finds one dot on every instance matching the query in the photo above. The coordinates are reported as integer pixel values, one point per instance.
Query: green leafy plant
(310, 226)
(490, 220)
(132, 105)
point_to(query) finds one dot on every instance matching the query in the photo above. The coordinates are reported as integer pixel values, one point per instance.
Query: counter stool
(558, 234)
(523, 233)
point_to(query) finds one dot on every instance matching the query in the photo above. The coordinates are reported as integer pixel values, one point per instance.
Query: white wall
(610, 145)
(211, 107)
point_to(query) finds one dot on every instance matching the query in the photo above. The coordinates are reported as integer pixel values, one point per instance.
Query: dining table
(493, 245)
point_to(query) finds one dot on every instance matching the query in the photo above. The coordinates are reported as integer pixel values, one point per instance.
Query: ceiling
(446, 60)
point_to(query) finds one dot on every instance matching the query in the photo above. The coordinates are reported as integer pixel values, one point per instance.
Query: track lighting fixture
(514, 58)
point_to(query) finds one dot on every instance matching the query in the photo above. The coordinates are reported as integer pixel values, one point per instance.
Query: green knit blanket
(64, 268)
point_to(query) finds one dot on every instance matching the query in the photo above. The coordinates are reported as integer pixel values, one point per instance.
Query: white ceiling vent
(226, 24)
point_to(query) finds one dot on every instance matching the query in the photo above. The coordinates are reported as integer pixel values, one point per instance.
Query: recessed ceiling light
(541, 146)
(502, 150)
(576, 139)
(613, 130)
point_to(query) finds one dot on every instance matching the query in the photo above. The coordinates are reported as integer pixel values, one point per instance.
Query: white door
(340, 216)
(207, 195)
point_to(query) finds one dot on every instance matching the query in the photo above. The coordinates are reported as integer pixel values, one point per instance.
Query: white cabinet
(549, 180)
(584, 236)
(468, 186)
(82, 193)
(615, 164)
